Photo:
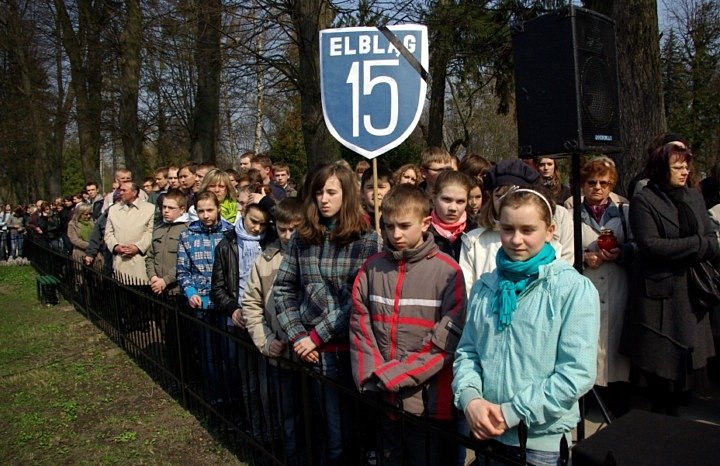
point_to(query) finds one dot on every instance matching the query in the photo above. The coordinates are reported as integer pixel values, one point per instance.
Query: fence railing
(264, 410)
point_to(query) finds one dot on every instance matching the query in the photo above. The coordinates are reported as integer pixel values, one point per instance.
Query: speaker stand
(577, 241)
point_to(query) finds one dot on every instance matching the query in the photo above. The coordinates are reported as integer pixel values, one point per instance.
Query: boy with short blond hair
(409, 311)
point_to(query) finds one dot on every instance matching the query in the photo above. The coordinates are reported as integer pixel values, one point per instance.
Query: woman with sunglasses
(606, 245)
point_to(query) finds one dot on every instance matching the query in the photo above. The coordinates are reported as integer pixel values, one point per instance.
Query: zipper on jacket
(503, 367)
(396, 310)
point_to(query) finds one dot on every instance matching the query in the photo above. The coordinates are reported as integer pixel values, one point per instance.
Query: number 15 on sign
(372, 94)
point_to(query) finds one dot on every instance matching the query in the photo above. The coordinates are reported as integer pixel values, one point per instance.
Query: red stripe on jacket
(377, 357)
(416, 321)
(418, 370)
(396, 309)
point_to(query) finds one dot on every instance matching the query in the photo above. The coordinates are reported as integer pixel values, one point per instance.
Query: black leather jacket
(224, 287)
(225, 279)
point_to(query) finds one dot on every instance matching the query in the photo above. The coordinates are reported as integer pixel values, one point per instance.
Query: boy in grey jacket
(161, 258)
(409, 311)
(160, 264)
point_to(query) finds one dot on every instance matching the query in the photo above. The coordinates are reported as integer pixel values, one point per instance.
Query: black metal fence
(263, 410)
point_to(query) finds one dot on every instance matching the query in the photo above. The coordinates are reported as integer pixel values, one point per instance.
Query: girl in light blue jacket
(528, 351)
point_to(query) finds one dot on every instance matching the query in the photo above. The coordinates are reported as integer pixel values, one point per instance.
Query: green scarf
(513, 278)
(86, 227)
(228, 210)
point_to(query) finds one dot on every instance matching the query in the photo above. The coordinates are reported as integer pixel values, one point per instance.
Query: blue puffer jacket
(195, 253)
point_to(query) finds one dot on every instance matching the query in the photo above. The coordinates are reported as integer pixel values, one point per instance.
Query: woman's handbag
(704, 283)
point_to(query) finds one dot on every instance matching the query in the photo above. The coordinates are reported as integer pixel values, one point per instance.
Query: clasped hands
(306, 349)
(594, 259)
(485, 419)
(157, 285)
(126, 250)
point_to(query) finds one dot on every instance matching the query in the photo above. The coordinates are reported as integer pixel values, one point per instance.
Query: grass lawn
(68, 395)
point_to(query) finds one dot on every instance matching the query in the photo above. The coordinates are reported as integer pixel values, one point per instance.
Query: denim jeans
(533, 457)
(4, 250)
(16, 244)
(334, 410)
(206, 350)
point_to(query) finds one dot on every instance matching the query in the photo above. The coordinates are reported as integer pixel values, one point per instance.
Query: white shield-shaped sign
(373, 83)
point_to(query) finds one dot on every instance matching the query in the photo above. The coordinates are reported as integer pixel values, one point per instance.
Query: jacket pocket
(315, 303)
(659, 285)
(447, 334)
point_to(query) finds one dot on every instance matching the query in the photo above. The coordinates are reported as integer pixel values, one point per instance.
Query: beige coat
(130, 224)
(611, 281)
(79, 244)
(258, 304)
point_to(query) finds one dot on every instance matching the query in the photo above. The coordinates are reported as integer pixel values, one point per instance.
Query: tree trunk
(63, 105)
(441, 46)
(130, 45)
(206, 116)
(309, 17)
(86, 77)
(259, 94)
(17, 116)
(641, 96)
(32, 107)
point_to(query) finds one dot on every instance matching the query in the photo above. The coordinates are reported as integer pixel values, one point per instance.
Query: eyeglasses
(603, 184)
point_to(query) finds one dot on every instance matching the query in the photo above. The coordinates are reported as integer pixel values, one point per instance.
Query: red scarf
(449, 231)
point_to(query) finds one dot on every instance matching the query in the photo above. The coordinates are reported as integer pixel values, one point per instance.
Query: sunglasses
(603, 184)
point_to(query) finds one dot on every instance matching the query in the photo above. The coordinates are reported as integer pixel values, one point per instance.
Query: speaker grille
(566, 84)
(596, 87)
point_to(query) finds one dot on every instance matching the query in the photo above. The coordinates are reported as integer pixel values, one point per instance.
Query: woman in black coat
(667, 338)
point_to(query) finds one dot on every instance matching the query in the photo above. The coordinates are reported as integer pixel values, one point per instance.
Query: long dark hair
(351, 223)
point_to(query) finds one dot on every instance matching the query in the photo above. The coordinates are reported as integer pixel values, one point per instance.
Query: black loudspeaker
(566, 84)
(641, 438)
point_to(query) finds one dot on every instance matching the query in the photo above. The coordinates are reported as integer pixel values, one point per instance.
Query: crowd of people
(463, 307)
